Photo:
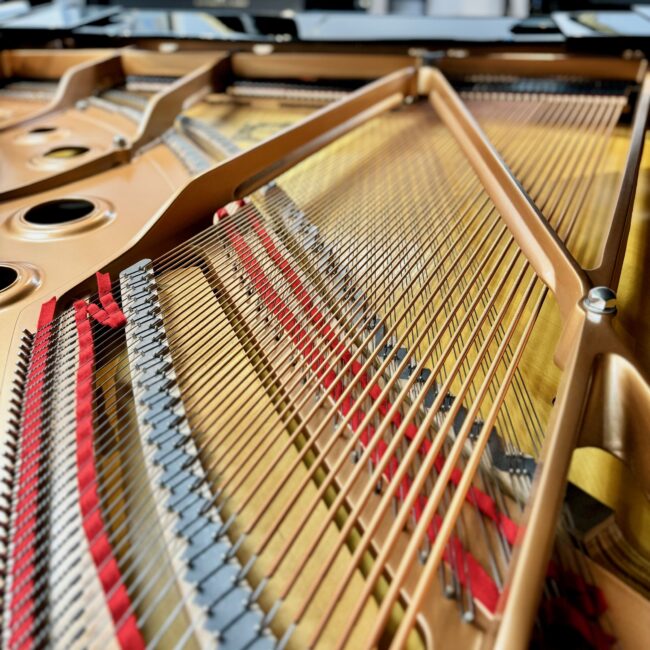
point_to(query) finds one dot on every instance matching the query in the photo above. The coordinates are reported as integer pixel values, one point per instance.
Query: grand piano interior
(324, 325)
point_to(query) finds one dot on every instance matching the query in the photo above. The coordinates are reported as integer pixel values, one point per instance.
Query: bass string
(545, 164)
(543, 136)
(381, 508)
(550, 213)
(435, 555)
(462, 536)
(413, 447)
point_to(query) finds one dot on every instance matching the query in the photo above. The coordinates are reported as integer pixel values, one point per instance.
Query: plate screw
(601, 300)
(119, 141)
(81, 105)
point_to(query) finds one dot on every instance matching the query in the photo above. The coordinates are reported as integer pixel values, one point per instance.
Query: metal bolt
(119, 141)
(81, 105)
(601, 300)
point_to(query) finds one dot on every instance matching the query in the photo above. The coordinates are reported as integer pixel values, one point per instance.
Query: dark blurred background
(520, 8)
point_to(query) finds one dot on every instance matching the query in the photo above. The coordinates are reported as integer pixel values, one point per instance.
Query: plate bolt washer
(601, 300)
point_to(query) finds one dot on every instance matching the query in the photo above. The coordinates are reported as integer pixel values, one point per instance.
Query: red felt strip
(108, 571)
(483, 502)
(24, 552)
(470, 571)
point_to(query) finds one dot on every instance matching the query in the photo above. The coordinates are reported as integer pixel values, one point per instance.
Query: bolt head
(601, 300)
(81, 105)
(119, 141)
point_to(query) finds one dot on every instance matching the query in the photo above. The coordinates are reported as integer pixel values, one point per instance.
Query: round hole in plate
(58, 211)
(8, 276)
(43, 129)
(66, 152)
